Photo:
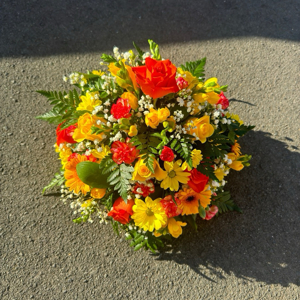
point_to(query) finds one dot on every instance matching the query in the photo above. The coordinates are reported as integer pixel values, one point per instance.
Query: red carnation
(121, 109)
(182, 83)
(223, 101)
(65, 135)
(124, 152)
(197, 181)
(166, 154)
(143, 189)
(170, 208)
(211, 212)
(121, 211)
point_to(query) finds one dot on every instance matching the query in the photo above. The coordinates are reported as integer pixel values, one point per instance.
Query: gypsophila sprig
(145, 145)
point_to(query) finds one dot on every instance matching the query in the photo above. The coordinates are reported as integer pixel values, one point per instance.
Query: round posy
(145, 145)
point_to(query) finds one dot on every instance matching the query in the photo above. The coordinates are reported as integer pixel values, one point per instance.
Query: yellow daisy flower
(175, 174)
(149, 215)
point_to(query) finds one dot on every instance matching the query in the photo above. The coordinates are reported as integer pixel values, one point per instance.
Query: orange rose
(156, 78)
(121, 211)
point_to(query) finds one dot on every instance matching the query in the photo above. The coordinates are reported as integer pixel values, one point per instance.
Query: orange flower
(73, 181)
(121, 211)
(156, 78)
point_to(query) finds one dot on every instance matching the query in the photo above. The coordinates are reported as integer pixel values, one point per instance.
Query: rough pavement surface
(253, 46)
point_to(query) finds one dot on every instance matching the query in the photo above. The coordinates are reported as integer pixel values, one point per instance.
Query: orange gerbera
(189, 201)
(73, 181)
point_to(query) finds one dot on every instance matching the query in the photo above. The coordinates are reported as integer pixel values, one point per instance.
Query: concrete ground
(253, 46)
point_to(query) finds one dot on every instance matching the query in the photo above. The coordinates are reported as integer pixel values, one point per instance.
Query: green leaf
(154, 50)
(108, 58)
(90, 173)
(202, 212)
(195, 67)
(51, 117)
(231, 136)
(139, 50)
(58, 179)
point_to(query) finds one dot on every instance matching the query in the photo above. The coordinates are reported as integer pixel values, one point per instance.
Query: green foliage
(216, 146)
(245, 159)
(202, 212)
(148, 144)
(108, 58)
(196, 68)
(64, 107)
(58, 180)
(119, 179)
(205, 167)
(145, 240)
(90, 173)
(81, 219)
(191, 220)
(183, 148)
(224, 202)
(139, 51)
(154, 50)
(107, 165)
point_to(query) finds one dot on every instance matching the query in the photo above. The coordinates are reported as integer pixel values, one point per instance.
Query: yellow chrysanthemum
(100, 155)
(196, 159)
(149, 215)
(175, 227)
(175, 174)
(189, 201)
(236, 149)
(64, 153)
(89, 101)
(73, 181)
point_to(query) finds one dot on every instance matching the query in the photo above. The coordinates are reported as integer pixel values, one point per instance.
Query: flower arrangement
(145, 145)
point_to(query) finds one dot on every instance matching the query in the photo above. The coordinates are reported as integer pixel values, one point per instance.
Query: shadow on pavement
(51, 27)
(262, 243)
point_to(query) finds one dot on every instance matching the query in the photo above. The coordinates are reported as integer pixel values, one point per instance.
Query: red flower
(65, 135)
(156, 78)
(211, 212)
(166, 154)
(124, 152)
(182, 83)
(121, 109)
(143, 189)
(197, 181)
(170, 208)
(121, 211)
(223, 101)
